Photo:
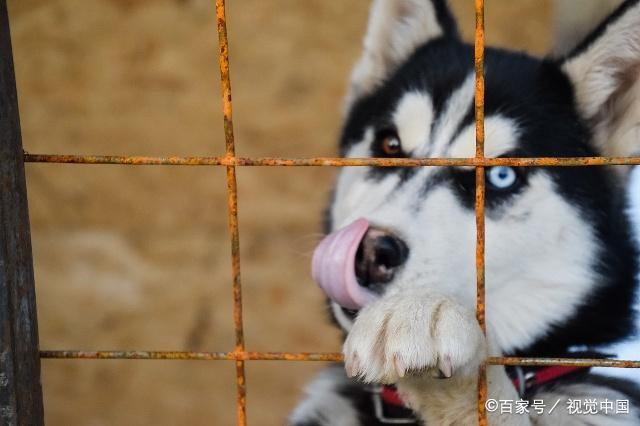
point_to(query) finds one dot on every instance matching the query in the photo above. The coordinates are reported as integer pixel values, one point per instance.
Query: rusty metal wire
(480, 203)
(239, 355)
(313, 356)
(232, 200)
(193, 356)
(571, 362)
(331, 161)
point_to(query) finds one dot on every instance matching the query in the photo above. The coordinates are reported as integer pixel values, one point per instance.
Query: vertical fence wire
(232, 200)
(480, 202)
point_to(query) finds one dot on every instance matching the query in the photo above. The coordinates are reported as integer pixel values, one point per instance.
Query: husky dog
(561, 263)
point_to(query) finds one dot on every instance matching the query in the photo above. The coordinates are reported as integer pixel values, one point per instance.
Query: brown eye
(391, 145)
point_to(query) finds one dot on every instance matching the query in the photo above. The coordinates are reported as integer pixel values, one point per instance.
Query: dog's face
(557, 246)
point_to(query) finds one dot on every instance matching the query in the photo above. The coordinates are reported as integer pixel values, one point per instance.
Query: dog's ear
(396, 29)
(605, 72)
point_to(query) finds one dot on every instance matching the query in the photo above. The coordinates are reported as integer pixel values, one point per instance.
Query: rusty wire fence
(240, 355)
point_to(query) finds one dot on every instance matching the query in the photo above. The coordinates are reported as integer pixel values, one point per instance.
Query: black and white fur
(561, 262)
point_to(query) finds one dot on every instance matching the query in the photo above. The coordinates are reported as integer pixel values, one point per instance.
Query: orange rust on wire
(480, 202)
(480, 246)
(194, 356)
(314, 357)
(479, 67)
(330, 161)
(232, 197)
(571, 362)
(480, 292)
(223, 43)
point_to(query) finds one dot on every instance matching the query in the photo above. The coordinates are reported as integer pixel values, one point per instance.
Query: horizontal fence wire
(312, 356)
(194, 356)
(331, 161)
(570, 362)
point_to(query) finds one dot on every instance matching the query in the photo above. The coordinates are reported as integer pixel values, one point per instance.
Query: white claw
(356, 365)
(445, 366)
(353, 367)
(399, 365)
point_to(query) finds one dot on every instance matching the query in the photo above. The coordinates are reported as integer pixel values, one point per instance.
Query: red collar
(390, 396)
(542, 376)
(531, 379)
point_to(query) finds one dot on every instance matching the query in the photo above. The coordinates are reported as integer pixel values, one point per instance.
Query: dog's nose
(379, 256)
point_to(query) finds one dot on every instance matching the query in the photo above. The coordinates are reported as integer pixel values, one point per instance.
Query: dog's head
(558, 254)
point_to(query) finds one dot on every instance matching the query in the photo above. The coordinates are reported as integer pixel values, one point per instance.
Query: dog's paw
(406, 334)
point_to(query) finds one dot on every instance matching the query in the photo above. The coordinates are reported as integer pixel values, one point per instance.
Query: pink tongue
(333, 266)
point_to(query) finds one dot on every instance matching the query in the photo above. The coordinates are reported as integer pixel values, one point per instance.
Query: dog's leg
(431, 347)
(454, 401)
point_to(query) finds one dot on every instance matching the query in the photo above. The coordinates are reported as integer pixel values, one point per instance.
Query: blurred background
(138, 257)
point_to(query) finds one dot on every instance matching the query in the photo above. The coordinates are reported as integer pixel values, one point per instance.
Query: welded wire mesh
(239, 355)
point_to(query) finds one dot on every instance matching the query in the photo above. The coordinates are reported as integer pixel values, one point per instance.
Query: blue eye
(502, 177)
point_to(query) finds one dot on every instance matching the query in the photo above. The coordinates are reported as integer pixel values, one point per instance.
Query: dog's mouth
(333, 266)
(352, 265)
(350, 313)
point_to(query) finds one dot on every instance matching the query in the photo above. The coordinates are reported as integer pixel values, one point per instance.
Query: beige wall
(138, 258)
